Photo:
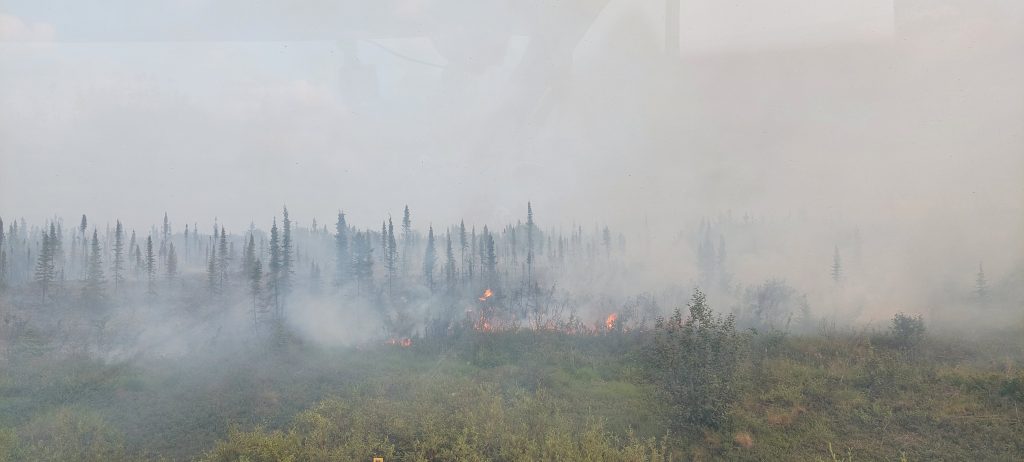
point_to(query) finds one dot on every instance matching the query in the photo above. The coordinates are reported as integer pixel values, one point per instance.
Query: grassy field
(832, 395)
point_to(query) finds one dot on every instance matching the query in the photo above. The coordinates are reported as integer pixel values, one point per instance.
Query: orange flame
(483, 325)
(487, 294)
(610, 322)
(405, 342)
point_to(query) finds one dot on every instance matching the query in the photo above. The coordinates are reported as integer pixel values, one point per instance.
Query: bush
(696, 362)
(907, 331)
(443, 421)
(1013, 388)
(9, 448)
(69, 435)
(774, 305)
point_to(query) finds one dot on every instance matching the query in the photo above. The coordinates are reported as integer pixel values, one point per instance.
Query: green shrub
(1013, 388)
(907, 331)
(696, 362)
(9, 448)
(70, 435)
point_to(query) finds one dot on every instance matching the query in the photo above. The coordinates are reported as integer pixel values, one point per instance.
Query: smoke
(333, 323)
(896, 122)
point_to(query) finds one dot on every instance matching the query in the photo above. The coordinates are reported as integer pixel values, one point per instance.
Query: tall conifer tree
(341, 251)
(287, 257)
(45, 271)
(172, 262)
(429, 259)
(95, 280)
(118, 255)
(150, 263)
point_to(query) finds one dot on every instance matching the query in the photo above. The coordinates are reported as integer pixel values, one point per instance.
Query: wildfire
(405, 342)
(487, 294)
(610, 321)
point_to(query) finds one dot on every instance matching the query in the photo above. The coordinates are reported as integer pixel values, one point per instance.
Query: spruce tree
(3, 268)
(150, 267)
(529, 241)
(133, 254)
(391, 254)
(249, 256)
(488, 257)
(463, 246)
(492, 259)
(274, 280)
(429, 259)
(482, 249)
(471, 268)
(510, 233)
(95, 280)
(118, 255)
(386, 254)
(82, 226)
(981, 285)
(172, 262)
(186, 245)
(255, 279)
(211, 270)
(354, 264)
(139, 265)
(45, 271)
(341, 251)
(57, 250)
(165, 235)
(406, 238)
(362, 261)
(837, 267)
(223, 259)
(449, 266)
(287, 257)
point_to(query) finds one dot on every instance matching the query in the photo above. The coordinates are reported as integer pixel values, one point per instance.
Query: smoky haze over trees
(919, 149)
(407, 286)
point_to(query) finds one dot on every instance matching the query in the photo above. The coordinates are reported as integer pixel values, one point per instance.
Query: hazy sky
(906, 115)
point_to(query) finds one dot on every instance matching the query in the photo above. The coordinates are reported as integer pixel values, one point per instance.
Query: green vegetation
(695, 388)
(696, 362)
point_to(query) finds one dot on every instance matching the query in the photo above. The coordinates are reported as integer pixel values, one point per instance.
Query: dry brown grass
(784, 418)
(744, 440)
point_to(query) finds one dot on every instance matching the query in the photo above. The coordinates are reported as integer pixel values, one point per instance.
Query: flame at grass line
(484, 322)
(610, 321)
(405, 342)
(484, 325)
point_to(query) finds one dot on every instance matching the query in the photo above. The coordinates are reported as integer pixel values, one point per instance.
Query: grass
(520, 396)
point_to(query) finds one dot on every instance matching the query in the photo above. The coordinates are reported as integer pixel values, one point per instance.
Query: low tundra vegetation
(694, 388)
